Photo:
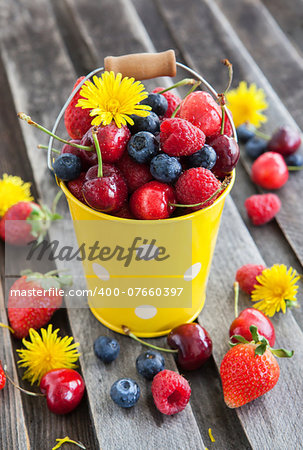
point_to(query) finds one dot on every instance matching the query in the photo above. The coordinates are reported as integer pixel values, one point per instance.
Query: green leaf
(261, 349)
(65, 280)
(240, 339)
(282, 353)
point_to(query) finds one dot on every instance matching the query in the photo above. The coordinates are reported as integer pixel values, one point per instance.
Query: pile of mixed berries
(154, 164)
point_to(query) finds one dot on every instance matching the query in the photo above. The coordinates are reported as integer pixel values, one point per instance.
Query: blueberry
(157, 102)
(165, 168)
(244, 134)
(143, 146)
(255, 147)
(107, 349)
(67, 167)
(206, 157)
(125, 392)
(296, 159)
(149, 364)
(150, 123)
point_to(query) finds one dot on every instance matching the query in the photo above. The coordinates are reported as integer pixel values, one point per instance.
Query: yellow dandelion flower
(246, 104)
(67, 440)
(115, 98)
(276, 290)
(13, 190)
(46, 352)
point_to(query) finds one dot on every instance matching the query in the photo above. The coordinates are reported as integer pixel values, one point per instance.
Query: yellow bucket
(145, 300)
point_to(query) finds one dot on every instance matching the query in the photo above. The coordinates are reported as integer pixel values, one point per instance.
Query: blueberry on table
(67, 167)
(165, 168)
(296, 159)
(206, 157)
(106, 349)
(143, 146)
(244, 134)
(157, 102)
(255, 147)
(125, 392)
(150, 123)
(150, 363)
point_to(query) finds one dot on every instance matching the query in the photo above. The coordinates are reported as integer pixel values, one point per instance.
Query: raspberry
(179, 137)
(171, 392)
(262, 208)
(201, 109)
(195, 186)
(246, 276)
(269, 171)
(134, 173)
(112, 141)
(172, 100)
(77, 120)
(2, 378)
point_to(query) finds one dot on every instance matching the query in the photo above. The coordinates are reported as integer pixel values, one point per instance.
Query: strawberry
(249, 369)
(201, 109)
(30, 221)
(77, 120)
(179, 137)
(196, 185)
(112, 141)
(135, 174)
(2, 378)
(172, 100)
(33, 299)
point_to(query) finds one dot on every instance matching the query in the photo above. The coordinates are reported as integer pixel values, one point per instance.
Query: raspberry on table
(246, 276)
(196, 185)
(261, 208)
(179, 137)
(171, 392)
(2, 378)
(172, 99)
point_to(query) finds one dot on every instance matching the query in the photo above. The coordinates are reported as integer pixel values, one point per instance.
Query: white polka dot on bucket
(192, 272)
(101, 272)
(146, 311)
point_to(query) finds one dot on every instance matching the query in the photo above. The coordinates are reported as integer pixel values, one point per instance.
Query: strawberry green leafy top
(111, 97)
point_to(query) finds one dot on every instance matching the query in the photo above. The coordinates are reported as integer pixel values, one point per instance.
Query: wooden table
(45, 45)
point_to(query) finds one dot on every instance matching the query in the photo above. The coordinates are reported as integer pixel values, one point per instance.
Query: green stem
(192, 89)
(294, 168)
(183, 82)
(220, 189)
(130, 334)
(95, 137)
(236, 289)
(45, 147)
(56, 200)
(223, 120)
(229, 66)
(45, 130)
(261, 135)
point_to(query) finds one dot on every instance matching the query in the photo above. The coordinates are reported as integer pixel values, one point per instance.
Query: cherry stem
(224, 185)
(294, 168)
(33, 394)
(236, 290)
(95, 137)
(221, 97)
(45, 130)
(229, 66)
(130, 334)
(183, 82)
(261, 135)
(3, 325)
(45, 147)
(192, 89)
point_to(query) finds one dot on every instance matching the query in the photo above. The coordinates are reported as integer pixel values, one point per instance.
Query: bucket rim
(189, 216)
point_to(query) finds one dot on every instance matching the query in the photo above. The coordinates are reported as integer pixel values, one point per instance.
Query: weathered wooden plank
(14, 432)
(263, 428)
(53, 83)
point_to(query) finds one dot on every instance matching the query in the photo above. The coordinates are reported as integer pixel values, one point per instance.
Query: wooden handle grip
(143, 66)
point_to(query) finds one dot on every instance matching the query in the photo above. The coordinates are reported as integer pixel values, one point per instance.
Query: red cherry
(252, 316)
(112, 141)
(108, 170)
(64, 389)
(152, 201)
(201, 109)
(285, 140)
(107, 193)
(269, 171)
(194, 345)
(228, 153)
